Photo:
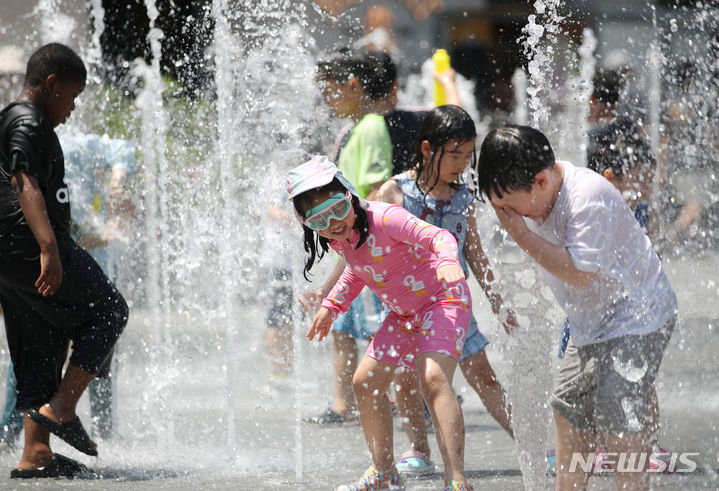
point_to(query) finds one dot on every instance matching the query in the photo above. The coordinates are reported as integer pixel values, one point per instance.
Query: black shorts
(281, 304)
(87, 309)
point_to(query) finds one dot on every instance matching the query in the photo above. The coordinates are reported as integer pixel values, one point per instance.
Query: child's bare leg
(637, 443)
(435, 372)
(279, 347)
(371, 381)
(61, 407)
(36, 452)
(653, 418)
(569, 440)
(483, 380)
(411, 409)
(345, 365)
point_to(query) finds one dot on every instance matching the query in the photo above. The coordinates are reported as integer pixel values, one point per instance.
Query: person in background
(434, 191)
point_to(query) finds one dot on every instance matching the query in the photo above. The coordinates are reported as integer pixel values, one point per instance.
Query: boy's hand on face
(451, 273)
(321, 324)
(512, 221)
(50, 277)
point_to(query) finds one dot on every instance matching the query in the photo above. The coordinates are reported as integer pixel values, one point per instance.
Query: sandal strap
(415, 453)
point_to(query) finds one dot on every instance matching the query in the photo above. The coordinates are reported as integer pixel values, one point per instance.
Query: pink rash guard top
(399, 262)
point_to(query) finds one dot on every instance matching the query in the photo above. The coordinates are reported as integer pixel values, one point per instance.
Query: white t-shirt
(630, 293)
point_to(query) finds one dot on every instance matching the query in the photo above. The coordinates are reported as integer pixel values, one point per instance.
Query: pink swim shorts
(440, 328)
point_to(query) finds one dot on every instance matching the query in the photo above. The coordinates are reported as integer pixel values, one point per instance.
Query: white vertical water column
(587, 68)
(520, 114)
(94, 50)
(541, 54)
(655, 65)
(530, 352)
(154, 128)
(571, 143)
(225, 82)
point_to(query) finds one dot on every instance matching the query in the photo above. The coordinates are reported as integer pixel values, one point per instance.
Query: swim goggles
(337, 207)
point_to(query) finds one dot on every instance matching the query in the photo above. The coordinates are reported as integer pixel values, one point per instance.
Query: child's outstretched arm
(447, 80)
(347, 288)
(478, 263)
(321, 324)
(555, 259)
(33, 207)
(311, 300)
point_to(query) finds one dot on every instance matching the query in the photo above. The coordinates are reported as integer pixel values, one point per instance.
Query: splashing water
(192, 386)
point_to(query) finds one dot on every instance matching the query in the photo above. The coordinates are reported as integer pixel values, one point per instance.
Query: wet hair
(510, 158)
(375, 70)
(315, 245)
(621, 151)
(54, 58)
(608, 85)
(442, 124)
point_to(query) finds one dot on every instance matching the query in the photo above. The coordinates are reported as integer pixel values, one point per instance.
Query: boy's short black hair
(54, 58)
(510, 158)
(608, 85)
(375, 70)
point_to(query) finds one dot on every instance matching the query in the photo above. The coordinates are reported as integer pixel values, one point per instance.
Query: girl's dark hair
(510, 158)
(622, 152)
(54, 58)
(440, 125)
(375, 70)
(608, 85)
(315, 245)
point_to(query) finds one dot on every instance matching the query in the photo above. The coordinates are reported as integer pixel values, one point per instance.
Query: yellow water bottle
(441, 64)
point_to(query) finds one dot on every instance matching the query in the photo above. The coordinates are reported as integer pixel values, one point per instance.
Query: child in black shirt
(51, 290)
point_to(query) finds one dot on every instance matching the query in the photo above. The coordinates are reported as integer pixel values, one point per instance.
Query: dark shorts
(606, 387)
(280, 301)
(87, 310)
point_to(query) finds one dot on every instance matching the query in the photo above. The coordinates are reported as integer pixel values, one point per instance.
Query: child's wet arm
(554, 258)
(34, 209)
(479, 264)
(347, 288)
(389, 192)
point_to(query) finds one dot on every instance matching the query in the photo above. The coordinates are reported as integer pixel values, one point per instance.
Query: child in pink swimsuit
(413, 268)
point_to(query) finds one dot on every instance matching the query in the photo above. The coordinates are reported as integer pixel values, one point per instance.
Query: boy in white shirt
(605, 274)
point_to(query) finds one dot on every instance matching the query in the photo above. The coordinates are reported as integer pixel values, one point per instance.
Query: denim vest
(450, 214)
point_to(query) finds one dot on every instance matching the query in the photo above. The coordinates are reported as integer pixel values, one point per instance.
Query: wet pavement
(174, 430)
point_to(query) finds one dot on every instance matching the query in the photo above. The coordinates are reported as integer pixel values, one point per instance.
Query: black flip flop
(59, 466)
(71, 432)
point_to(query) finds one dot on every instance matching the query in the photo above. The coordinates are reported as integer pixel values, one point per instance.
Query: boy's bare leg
(61, 409)
(411, 409)
(345, 365)
(653, 426)
(569, 440)
(371, 382)
(637, 443)
(435, 372)
(36, 453)
(483, 380)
